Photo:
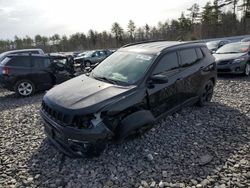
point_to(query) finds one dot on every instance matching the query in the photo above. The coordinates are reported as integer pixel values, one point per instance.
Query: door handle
(179, 79)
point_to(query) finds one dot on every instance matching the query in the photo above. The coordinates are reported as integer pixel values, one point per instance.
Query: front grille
(66, 120)
(223, 70)
(224, 62)
(57, 116)
(83, 121)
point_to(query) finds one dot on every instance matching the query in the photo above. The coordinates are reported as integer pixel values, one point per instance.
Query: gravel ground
(196, 147)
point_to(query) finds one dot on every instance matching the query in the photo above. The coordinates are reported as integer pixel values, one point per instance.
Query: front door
(165, 97)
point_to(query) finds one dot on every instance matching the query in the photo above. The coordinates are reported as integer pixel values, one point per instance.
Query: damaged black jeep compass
(127, 93)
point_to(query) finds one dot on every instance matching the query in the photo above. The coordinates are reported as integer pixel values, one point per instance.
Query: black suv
(28, 73)
(126, 94)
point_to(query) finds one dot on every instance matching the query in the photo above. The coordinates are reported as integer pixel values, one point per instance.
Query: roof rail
(142, 42)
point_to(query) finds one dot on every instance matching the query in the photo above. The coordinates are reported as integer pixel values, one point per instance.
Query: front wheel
(24, 88)
(127, 132)
(87, 63)
(247, 69)
(206, 94)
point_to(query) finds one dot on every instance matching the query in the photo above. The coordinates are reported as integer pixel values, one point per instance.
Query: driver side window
(167, 63)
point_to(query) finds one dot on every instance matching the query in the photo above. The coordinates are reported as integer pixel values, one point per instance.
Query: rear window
(188, 57)
(19, 61)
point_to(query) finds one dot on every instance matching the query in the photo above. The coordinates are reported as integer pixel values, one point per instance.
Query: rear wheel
(24, 88)
(247, 69)
(207, 93)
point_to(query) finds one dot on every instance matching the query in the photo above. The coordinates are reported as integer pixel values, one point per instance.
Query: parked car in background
(233, 58)
(215, 45)
(81, 54)
(26, 74)
(246, 39)
(91, 58)
(126, 93)
(24, 51)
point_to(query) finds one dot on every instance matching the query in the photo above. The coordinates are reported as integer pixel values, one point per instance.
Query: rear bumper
(231, 68)
(72, 141)
(6, 82)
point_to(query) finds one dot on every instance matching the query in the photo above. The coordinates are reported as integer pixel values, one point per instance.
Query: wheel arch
(134, 121)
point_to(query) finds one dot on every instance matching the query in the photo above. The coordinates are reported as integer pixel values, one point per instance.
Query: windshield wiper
(103, 78)
(228, 53)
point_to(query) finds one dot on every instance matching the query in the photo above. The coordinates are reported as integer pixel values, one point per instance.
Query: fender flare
(134, 121)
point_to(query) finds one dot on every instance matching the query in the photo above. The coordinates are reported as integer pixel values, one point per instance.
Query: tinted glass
(188, 57)
(124, 67)
(5, 60)
(199, 53)
(167, 63)
(20, 62)
(39, 62)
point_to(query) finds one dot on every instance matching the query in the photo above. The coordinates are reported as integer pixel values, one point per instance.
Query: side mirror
(159, 79)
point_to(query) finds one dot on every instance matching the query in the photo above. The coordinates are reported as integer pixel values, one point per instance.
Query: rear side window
(188, 57)
(20, 62)
(40, 62)
(199, 53)
(5, 60)
(205, 51)
(167, 63)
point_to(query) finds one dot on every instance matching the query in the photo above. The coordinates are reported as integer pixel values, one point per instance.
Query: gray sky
(47, 17)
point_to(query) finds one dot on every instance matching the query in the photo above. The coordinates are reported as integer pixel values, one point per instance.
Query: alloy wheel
(208, 92)
(25, 88)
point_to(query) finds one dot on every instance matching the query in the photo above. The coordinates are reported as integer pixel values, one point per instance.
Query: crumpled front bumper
(72, 141)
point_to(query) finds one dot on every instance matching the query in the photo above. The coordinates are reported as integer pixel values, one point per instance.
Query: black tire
(206, 94)
(95, 150)
(126, 132)
(24, 88)
(247, 70)
(82, 67)
(87, 64)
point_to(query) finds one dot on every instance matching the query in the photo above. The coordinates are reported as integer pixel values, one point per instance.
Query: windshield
(123, 67)
(212, 45)
(81, 54)
(88, 54)
(238, 47)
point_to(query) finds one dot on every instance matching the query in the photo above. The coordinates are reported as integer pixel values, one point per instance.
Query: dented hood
(85, 94)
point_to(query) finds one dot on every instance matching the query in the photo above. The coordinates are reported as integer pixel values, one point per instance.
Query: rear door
(20, 67)
(191, 66)
(165, 97)
(41, 72)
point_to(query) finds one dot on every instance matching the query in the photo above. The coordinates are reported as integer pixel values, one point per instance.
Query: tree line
(220, 18)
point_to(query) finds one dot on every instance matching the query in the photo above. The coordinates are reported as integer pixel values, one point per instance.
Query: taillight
(6, 70)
